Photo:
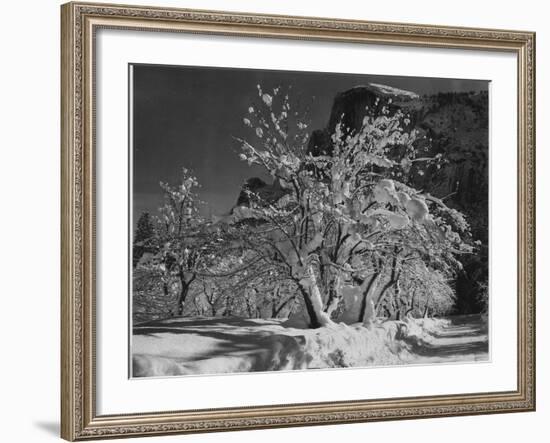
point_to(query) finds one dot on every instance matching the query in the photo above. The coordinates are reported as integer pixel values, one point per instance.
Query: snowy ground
(464, 338)
(179, 346)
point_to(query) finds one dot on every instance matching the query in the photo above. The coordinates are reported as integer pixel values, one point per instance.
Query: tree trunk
(335, 296)
(397, 295)
(197, 306)
(313, 300)
(181, 298)
(313, 321)
(185, 284)
(393, 281)
(249, 308)
(274, 298)
(383, 293)
(426, 309)
(368, 286)
(411, 306)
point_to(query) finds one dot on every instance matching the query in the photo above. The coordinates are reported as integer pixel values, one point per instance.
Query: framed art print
(281, 221)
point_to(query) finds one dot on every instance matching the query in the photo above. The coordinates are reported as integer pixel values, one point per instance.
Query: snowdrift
(180, 346)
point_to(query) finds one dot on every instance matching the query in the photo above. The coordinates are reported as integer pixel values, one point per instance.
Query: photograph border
(79, 24)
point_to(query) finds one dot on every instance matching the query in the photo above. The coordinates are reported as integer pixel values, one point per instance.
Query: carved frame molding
(79, 24)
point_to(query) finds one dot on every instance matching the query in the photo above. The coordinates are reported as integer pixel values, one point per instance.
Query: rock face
(350, 108)
(457, 126)
(269, 192)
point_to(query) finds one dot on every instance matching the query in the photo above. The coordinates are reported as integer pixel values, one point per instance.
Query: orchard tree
(344, 217)
(184, 241)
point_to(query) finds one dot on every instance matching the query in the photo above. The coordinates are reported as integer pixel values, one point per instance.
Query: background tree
(184, 242)
(143, 238)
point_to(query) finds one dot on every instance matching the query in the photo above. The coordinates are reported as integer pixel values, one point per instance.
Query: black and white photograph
(285, 220)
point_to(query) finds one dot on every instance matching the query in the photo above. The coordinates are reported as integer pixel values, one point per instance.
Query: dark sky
(188, 116)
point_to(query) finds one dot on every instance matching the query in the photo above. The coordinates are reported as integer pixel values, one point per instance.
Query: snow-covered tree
(346, 221)
(183, 242)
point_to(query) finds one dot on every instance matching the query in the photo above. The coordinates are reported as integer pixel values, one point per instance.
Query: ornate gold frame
(79, 420)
